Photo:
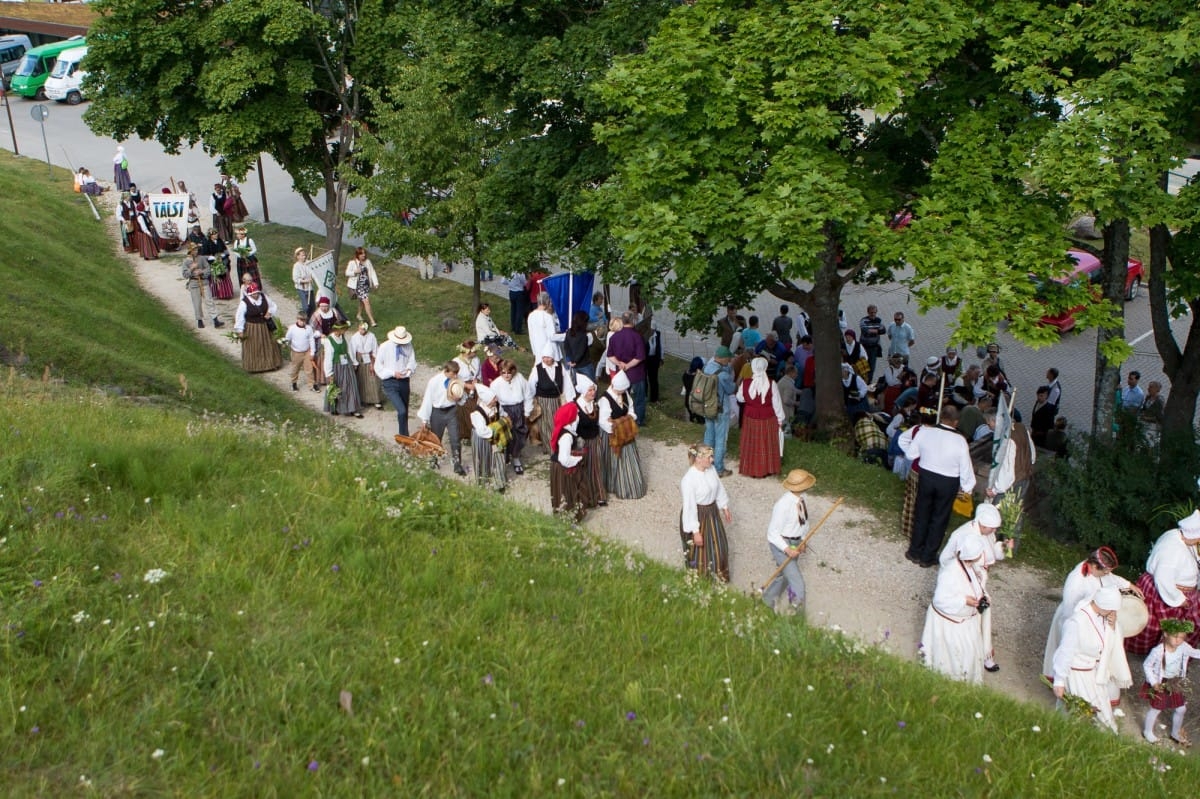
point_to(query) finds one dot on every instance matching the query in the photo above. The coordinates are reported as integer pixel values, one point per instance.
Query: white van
(65, 83)
(12, 49)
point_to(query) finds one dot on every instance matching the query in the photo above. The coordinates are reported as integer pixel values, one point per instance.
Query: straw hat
(455, 390)
(799, 480)
(400, 335)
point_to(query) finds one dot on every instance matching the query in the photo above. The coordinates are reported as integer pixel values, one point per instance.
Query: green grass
(489, 650)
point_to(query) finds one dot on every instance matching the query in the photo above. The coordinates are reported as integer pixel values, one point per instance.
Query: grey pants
(443, 419)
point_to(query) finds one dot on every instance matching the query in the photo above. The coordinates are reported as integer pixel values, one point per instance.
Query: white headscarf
(582, 384)
(550, 351)
(760, 384)
(484, 394)
(620, 382)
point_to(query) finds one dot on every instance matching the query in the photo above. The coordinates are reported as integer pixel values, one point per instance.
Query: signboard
(324, 276)
(169, 213)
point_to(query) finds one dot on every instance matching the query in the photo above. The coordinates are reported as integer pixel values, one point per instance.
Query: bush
(1113, 491)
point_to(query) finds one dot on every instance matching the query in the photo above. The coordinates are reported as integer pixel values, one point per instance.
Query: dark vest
(549, 386)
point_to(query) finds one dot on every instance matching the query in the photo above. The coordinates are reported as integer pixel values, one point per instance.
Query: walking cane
(803, 543)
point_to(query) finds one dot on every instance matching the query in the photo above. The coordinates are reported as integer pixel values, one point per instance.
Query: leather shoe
(925, 564)
(912, 558)
(217, 322)
(199, 323)
(459, 470)
(725, 473)
(995, 667)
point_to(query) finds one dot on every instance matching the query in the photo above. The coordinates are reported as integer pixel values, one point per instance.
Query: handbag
(964, 505)
(271, 325)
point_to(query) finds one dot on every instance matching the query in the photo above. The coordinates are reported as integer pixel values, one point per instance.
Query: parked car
(1087, 268)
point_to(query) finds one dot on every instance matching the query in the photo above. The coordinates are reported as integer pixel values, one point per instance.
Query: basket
(423, 445)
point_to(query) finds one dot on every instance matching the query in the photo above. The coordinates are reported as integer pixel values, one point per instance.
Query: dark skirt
(260, 353)
(488, 463)
(1143, 642)
(464, 416)
(121, 177)
(520, 431)
(369, 388)
(566, 489)
(347, 382)
(713, 557)
(759, 454)
(623, 475)
(908, 513)
(222, 287)
(145, 244)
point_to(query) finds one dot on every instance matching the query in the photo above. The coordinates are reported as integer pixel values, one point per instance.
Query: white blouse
(700, 488)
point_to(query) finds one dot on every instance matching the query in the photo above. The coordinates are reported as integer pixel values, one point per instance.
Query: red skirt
(760, 447)
(1146, 640)
(1162, 700)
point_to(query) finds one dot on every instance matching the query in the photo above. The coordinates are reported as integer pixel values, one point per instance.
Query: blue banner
(570, 292)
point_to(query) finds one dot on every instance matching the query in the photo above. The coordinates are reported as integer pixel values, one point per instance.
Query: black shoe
(912, 558)
(459, 470)
(995, 667)
(316, 387)
(518, 468)
(199, 323)
(358, 416)
(925, 564)
(335, 413)
(603, 503)
(217, 322)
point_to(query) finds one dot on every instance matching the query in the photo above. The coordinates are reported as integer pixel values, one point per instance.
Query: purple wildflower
(901, 724)
(487, 679)
(335, 568)
(631, 716)
(313, 765)
(37, 583)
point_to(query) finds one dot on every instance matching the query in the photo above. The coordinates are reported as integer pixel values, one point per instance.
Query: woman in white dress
(1081, 660)
(1088, 577)
(952, 642)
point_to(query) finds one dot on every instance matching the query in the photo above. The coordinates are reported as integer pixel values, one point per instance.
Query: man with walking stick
(787, 536)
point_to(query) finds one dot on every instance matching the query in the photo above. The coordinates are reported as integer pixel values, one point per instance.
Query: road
(71, 144)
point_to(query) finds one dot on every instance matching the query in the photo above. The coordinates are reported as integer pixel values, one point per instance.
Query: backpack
(703, 399)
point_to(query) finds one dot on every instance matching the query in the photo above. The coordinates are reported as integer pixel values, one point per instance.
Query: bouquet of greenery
(331, 395)
(1075, 706)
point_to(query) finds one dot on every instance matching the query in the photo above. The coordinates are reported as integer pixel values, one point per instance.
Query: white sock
(1177, 721)
(1148, 729)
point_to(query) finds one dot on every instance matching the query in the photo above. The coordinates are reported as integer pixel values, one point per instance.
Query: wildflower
(157, 754)
(631, 716)
(580, 724)
(154, 576)
(561, 782)
(978, 715)
(335, 568)
(80, 617)
(366, 761)
(1036, 728)
(34, 730)
(811, 688)
(146, 500)
(313, 765)
(487, 679)
(987, 758)
(150, 623)
(37, 583)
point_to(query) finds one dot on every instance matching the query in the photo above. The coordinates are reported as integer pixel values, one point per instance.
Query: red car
(1087, 267)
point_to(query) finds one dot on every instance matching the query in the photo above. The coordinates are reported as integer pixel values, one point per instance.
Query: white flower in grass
(987, 758)
(155, 576)
(561, 782)
(157, 754)
(80, 617)
(150, 623)
(366, 761)
(1036, 728)
(978, 715)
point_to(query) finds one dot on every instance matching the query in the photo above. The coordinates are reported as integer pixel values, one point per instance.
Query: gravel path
(857, 578)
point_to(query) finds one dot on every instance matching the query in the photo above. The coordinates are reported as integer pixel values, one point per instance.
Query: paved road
(70, 143)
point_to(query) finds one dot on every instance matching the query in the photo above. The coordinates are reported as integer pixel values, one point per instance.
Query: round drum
(1133, 617)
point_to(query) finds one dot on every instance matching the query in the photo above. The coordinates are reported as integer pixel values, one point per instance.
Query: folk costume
(704, 497)
(550, 389)
(1081, 661)
(515, 397)
(1082, 583)
(255, 312)
(339, 369)
(1169, 584)
(762, 423)
(490, 435)
(215, 251)
(121, 177)
(566, 475)
(986, 516)
(785, 539)
(589, 438)
(952, 641)
(618, 449)
(363, 348)
(1166, 677)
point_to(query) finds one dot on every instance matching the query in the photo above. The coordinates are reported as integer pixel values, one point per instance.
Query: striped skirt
(347, 401)
(260, 353)
(369, 389)
(566, 489)
(489, 464)
(909, 512)
(222, 287)
(593, 472)
(759, 455)
(713, 557)
(545, 423)
(623, 474)
(520, 430)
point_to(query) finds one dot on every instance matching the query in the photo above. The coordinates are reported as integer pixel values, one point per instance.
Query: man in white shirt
(945, 470)
(394, 365)
(785, 538)
(439, 410)
(543, 327)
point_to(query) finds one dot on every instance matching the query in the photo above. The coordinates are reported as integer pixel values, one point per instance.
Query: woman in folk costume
(762, 423)
(145, 237)
(468, 372)
(1081, 660)
(321, 322)
(490, 435)
(515, 397)
(339, 369)
(618, 441)
(1082, 583)
(363, 349)
(551, 388)
(567, 493)
(704, 516)
(260, 353)
(589, 438)
(217, 253)
(952, 641)
(985, 524)
(1169, 584)
(489, 367)
(127, 212)
(121, 170)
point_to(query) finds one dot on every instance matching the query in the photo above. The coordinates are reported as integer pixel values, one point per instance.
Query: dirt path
(858, 580)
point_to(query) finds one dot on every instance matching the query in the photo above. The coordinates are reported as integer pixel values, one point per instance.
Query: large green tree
(767, 146)
(244, 78)
(489, 134)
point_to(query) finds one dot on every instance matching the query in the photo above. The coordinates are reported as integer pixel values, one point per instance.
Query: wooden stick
(803, 543)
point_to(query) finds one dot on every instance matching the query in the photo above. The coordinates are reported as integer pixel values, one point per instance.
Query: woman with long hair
(576, 346)
(362, 280)
(704, 516)
(302, 280)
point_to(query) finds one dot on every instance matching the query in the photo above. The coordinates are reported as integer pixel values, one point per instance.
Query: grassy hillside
(260, 604)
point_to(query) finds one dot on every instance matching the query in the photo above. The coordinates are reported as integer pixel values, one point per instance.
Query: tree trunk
(1108, 376)
(827, 344)
(1182, 368)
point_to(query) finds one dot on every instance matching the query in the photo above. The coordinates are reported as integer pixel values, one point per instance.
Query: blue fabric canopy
(570, 292)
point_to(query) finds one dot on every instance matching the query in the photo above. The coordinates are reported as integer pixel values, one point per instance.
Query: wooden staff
(804, 543)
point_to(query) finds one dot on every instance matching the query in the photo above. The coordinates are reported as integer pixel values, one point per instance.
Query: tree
(490, 131)
(243, 78)
(767, 148)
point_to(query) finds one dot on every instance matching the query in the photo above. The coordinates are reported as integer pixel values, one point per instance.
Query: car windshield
(60, 69)
(30, 65)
